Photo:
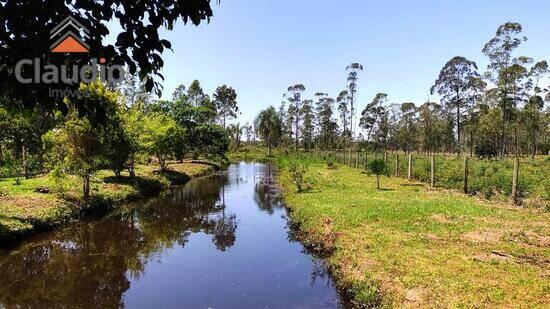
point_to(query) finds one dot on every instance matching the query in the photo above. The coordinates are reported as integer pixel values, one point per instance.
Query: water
(218, 242)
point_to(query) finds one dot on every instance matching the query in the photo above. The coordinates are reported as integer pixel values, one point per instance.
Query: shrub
(298, 175)
(331, 165)
(377, 167)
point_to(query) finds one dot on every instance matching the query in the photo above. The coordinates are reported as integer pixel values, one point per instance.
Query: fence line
(361, 159)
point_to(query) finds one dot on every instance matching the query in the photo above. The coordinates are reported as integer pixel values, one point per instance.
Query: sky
(260, 47)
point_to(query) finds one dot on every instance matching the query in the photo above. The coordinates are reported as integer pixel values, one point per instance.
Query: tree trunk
(503, 137)
(432, 172)
(25, 165)
(515, 178)
(396, 164)
(458, 126)
(409, 174)
(472, 143)
(534, 151)
(131, 167)
(297, 129)
(351, 119)
(86, 186)
(465, 175)
(377, 181)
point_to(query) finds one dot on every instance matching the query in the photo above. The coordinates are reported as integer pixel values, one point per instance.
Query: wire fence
(518, 178)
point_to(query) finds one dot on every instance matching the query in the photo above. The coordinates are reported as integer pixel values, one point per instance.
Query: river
(221, 241)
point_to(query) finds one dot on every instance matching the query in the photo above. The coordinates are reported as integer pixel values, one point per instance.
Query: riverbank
(46, 202)
(409, 245)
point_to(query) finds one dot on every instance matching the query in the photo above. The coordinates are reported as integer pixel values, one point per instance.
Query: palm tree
(268, 126)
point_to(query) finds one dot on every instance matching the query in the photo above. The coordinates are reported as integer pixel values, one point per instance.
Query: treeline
(499, 112)
(114, 128)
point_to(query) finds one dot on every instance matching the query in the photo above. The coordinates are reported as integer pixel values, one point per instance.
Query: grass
(254, 152)
(24, 211)
(408, 245)
(491, 179)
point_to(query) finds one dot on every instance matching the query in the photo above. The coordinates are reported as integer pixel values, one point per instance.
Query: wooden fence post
(515, 178)
(356, 159)
(432, 174)
(466, 174)
(396, 165)
(25, 166)
(409, 174)
(345, 157)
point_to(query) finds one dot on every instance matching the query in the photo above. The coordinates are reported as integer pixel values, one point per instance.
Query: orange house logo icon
(69, 37)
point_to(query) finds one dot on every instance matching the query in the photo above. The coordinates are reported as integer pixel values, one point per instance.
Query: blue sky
(260, 47)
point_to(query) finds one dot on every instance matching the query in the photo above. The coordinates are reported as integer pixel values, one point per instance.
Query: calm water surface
(218, 242)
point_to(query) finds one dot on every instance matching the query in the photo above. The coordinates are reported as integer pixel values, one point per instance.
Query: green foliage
(225, 100)
(138, 47)
(210, 141)
(408, 231)
(486, 150)
(377, 166)
(86, 141)
(298, 176)
(235, 131)
(487, 177)
(269, 127)
(9, 166)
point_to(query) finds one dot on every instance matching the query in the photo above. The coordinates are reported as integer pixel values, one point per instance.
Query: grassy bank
(45, 202)
(408, 245)
(488, 178)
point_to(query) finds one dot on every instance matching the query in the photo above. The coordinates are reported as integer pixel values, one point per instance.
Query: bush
(377, 167)
(486, 150)
(298, 175)
(331, 165)
(9, 166)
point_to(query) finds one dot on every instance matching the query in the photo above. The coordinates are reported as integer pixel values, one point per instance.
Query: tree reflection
(88, 264)
(266, 193)
(224, 232)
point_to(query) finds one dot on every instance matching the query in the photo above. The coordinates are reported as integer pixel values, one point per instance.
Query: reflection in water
(94, 264)
(267, 195)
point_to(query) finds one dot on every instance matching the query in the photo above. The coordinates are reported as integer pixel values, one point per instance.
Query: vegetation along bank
(407, 244)
(106, 147)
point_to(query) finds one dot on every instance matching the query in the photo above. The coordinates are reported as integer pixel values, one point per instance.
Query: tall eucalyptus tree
(455, 85)
(353, 70)
(327, 125)
(225, 100)
(372, 114)
(308, 125)
(505, 70)
(295, 109)
(342, 101)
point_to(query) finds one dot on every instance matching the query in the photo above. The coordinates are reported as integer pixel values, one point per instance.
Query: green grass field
(24, 211)
(408, 245)
(491, 179)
